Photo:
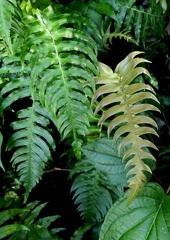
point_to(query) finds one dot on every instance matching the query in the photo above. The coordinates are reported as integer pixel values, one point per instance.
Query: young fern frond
(126, 108)
(33, 143)
(6, 11)
(63, 64)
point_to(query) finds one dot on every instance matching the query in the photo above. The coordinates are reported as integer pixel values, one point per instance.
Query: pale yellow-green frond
(124, 105)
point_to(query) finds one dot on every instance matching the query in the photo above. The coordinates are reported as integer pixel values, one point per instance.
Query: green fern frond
(6, 10)
(92, 198)
(16, 81)
(109, 36)
(139, 21)
(101, 166)
(125, 99)
(33, 144)
(63, 62)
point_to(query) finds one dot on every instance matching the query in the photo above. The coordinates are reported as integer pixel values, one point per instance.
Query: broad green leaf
(10, 229)
(106, 8)
(8, 214)
(46, 221)
(81, 231)
(29, 207)
(103, 154)
(146, 218)
(21, 235)
(37, 232)
(34, 213)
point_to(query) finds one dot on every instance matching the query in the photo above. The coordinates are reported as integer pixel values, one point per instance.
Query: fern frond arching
(33, 144)
(63, 62)
(127, 110)
(6, 10)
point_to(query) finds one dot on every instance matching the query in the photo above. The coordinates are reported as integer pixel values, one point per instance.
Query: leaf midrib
(71, 117)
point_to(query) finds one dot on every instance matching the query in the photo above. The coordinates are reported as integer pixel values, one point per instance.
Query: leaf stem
(57, 169)
(168, 190)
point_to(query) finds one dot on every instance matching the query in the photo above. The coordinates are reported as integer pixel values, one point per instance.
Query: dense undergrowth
(85, 112)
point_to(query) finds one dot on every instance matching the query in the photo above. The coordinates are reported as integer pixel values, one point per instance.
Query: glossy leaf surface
(146, 218)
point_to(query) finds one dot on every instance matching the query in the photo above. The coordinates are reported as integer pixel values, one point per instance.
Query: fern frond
(33, 144)
(101, 166)
(92, 198)
(126, 108)
(139, 21)
(18, 84)
(6, 10)
(63, 62)
(109, 36)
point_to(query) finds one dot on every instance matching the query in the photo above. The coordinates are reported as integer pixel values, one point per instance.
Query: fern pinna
(125, 100)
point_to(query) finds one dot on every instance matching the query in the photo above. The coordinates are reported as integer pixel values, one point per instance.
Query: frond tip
(128, 103)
